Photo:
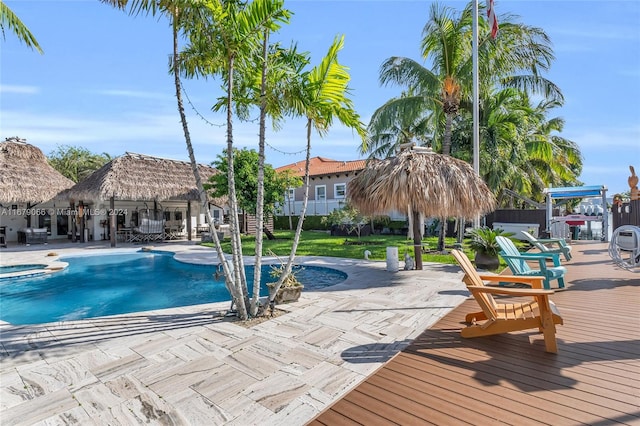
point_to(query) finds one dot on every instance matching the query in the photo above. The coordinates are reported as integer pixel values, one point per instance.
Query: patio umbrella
(427, 183)
(25, 174)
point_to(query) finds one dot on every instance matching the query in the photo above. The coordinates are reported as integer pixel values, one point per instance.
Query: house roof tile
(321, 166)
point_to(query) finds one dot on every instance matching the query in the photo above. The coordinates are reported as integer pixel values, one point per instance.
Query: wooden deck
(444, 379)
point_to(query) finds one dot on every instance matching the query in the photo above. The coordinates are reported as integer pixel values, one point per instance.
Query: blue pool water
(111, 284)
(20, 268)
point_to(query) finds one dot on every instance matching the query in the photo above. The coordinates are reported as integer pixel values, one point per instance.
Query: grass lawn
(317, 243)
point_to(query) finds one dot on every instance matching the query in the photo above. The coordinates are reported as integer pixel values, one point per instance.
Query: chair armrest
(540, 257)
(511, 291)
(533, 281)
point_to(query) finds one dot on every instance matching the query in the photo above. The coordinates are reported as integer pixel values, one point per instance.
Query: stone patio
(194, 366)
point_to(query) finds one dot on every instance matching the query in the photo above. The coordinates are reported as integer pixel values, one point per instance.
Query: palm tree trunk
(204, 199)
(257, 268)
(446, 150)
(239, 281)
(303, 211)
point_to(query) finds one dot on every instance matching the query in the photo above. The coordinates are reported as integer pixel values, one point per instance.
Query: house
(328, 185)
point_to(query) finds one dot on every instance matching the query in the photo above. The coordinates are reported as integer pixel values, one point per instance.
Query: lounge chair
(518, 263)
(549, 245)
(499, 318)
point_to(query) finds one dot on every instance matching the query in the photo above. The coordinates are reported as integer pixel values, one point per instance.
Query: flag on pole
(493, 20)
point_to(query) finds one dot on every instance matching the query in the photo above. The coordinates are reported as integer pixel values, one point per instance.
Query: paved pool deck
(194, 366)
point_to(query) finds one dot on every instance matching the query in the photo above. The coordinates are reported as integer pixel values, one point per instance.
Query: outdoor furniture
(549, 245)
(518, 263)
(32, 235)
(498, 318)
(148, 230)
(3, 236)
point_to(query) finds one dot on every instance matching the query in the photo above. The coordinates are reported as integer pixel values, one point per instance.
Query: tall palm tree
(10, 20)
(324, 97)
(226, 43)
(236, 28)
(514, 59)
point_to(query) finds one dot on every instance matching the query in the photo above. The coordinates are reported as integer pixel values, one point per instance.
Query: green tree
(514, 59)
(76, 162)
(10, 20)
(323, 98)
(246, 164)
(226, 43)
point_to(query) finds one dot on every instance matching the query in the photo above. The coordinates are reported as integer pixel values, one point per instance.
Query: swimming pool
(20, 268)
(99, 285)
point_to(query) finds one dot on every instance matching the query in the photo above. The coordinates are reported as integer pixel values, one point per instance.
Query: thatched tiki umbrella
(26, 176)
(432, 184)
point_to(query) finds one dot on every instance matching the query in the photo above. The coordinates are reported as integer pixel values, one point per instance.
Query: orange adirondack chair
(498, 318)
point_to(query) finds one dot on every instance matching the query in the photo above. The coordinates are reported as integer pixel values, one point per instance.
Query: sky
(103, 82)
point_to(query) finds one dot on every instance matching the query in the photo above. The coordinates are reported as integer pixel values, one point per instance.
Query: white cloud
(24, 90)
(132, 94)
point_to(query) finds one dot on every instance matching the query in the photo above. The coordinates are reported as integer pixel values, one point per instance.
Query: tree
(10, 20)
(245, 163)
(324, 97)
(227, 42)
(514, 59)
(349, 217)
(76, 163)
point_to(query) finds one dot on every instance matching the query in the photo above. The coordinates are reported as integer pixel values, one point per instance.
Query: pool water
(20, 268)
(111, 284)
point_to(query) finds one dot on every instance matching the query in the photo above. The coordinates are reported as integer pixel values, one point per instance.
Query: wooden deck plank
(594, 379)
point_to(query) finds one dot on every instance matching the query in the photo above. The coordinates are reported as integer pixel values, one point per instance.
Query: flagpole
(476, 108)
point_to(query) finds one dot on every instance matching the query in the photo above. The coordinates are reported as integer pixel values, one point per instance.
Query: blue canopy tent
(579, 192)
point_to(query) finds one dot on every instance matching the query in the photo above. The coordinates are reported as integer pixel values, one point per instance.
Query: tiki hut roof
(141, 177)
(432, 184)
(25, 174)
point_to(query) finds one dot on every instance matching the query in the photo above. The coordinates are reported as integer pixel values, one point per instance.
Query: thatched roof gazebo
(25, 174)
(141, 177)
(424, 182)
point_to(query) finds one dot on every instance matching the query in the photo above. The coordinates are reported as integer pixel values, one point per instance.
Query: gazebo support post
(188, 220)
(417, 239)
(81, 218)
(73, 221)
(112, 220)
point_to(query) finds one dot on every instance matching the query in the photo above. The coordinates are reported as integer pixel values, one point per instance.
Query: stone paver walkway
(193, 366)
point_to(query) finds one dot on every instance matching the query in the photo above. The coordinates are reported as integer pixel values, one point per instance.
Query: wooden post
(189, 220)
(81, 219)
(112, 220)
(73, 221)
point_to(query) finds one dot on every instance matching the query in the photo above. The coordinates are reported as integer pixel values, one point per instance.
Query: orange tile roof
(320, 166)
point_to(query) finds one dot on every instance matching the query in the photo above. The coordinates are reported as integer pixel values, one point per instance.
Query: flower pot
(487, 261)
(288, 294)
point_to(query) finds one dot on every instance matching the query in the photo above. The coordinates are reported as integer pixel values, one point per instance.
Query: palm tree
(324, 96)
(10, 20)
(228, 43)
(236, 28)
(514, 60)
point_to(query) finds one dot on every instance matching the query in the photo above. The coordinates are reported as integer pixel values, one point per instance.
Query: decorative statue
(633, 184)
(409, 263)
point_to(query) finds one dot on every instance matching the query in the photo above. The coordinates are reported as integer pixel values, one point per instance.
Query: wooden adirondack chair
(499, 318)
(549, 245)
(518, 263)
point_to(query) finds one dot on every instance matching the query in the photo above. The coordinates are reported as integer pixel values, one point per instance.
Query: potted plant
(483, 242)
(291, 287)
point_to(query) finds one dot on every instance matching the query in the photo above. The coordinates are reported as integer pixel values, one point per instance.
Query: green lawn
(316, 243)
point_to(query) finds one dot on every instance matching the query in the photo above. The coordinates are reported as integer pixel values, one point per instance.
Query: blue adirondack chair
(518, 263)
(549, 245)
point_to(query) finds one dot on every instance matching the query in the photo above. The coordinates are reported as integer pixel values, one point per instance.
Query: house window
(321, 193)
(340, 190)
(291, 194)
